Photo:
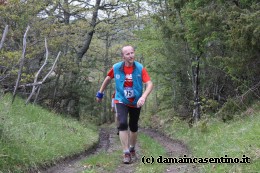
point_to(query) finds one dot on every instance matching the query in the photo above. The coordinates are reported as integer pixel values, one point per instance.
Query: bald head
(126, 48)
(128, 55)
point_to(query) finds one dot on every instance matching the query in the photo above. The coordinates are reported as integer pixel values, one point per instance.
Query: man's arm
(103, 87)
(148, 90)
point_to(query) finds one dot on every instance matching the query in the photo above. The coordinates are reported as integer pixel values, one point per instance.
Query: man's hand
(99, 96)
(100, 93)
(149, 87)
(98, 100)
(140, 102)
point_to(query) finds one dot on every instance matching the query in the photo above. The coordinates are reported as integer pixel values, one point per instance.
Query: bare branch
(37, 85)
(45, 62)
(21, 63)
(252, 89)
(37, 74)
(31, 84)
(4, 36)
(30, 96)
(37, 94)
(52, 67)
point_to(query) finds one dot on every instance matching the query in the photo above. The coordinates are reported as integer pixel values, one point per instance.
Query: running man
(129, 77)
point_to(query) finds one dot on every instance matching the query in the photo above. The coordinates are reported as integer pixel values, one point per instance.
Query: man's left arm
(148, 90)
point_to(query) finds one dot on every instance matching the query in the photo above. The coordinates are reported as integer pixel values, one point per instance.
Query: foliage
(168, 36)
(229, 109)
(61, 89)
(226, 34)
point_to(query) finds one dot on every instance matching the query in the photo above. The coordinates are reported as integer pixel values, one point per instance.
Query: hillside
(214, 138)
(31, 136)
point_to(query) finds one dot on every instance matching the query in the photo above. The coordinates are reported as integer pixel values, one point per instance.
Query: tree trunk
(196, 110)
(90, 34)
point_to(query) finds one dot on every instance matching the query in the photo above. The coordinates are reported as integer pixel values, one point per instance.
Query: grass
(31, 136)
(102, 162)
(150, 147)
(108, 161)
(214, 138)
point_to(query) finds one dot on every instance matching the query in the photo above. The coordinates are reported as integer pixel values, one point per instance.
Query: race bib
(129, 92)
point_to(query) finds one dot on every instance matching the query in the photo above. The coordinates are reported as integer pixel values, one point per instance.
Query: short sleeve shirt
(128, 77)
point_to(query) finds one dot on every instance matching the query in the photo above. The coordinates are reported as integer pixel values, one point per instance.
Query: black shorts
(122, 112)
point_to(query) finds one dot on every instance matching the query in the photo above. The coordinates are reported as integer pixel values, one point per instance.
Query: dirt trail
(174, 148)
(109, 143)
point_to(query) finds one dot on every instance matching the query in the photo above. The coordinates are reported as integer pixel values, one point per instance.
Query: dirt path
(109, 143)
(174, 149)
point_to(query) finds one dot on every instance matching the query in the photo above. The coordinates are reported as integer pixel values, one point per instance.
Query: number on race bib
(129, 92)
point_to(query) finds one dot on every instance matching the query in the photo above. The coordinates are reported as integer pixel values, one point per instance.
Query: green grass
(109, 161)
(31, 136)
(102, 162)
(150, 147)
(214, 138)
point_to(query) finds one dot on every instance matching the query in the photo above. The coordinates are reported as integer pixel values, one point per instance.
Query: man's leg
(134, 114)
(122, 113)
(123, 135)
(133, 138)
(117, 123)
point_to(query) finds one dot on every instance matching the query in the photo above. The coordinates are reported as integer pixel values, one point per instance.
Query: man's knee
(123, 126)
(133, 128)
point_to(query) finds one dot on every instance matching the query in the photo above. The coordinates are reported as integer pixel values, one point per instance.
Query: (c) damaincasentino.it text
(185, 159)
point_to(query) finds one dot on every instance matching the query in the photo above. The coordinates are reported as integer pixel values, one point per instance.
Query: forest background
(202, 55)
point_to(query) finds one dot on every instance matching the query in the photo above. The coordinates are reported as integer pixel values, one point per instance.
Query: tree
(205, 38)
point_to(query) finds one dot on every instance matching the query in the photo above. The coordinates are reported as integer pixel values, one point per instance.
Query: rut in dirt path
(109, 142)
(174, 149)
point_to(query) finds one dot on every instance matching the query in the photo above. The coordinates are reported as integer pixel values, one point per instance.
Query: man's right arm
(103, 87)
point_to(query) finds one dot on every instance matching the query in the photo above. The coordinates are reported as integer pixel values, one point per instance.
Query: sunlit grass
(31, 136)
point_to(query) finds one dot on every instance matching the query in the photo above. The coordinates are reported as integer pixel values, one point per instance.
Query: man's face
(128, 55)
